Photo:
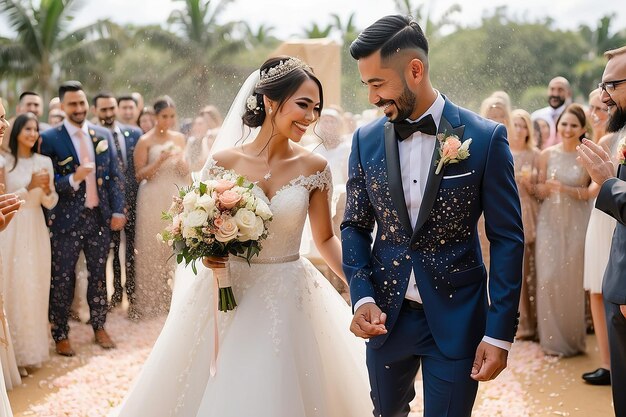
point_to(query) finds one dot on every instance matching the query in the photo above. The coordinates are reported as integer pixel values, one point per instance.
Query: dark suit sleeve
(612, 199)
(116, 180)
(503, 225)
(61, 181)
(356, 229)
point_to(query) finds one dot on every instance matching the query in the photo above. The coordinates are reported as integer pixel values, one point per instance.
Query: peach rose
(451, 148)
(227, 231)
(223, 185)
(229, 199)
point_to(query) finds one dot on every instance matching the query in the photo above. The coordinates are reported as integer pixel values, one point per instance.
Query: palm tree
(198, 45)
(45, 51)
(431, 28)
(316, 31)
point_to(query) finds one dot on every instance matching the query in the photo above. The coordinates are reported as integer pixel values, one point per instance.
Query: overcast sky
(290, 16)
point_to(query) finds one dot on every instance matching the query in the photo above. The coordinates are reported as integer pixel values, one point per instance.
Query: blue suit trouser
(92, 236)
(616, 325)
(448, 389)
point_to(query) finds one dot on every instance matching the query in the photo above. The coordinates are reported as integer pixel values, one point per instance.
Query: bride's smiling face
(297, 112)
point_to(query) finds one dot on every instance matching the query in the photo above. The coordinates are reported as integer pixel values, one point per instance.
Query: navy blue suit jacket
(131, 136)
(442, 248)
(57, 144)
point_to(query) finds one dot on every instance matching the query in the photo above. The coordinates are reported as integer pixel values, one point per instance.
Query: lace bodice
(289, 207)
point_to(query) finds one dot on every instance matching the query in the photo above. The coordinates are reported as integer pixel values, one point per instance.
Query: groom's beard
(555, 101)
(617, 120)
(404, 105)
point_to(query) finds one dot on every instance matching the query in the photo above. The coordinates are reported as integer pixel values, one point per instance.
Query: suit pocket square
(65, 161)
(451, 177)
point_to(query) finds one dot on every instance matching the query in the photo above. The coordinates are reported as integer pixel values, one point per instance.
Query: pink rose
(229, 199)
(218, 222)
(223, 185)
(451, 148)
(227, 231)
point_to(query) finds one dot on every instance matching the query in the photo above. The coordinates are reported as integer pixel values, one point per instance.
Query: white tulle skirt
(286, 350)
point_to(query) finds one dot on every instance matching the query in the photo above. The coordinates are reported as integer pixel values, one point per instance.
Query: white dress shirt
(122, 142)
(416, 153)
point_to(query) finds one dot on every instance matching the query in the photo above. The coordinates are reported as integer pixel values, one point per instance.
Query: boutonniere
(102, 146)
(451, 150)
(126, 133)
(621, 152)
(65, 161)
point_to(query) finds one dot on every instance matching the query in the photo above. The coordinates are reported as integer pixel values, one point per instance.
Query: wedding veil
(233, 132)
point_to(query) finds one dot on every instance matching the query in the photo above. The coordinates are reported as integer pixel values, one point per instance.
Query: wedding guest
(159, 167)
(197, 148)
(91, 202)
(56, 117)
(127, 110)
(125, 139)
(612, 200)
(598, 244)
(598, 115)
(9, 206)
(30, 176)
(542, 131)
(562, 184)
(146, 119)
(497, 109)
(525, 155)
(559, 97)
(212, 116)
(139, 100)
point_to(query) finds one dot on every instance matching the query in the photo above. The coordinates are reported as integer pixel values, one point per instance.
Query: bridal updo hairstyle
(279, 90)
(163, 103)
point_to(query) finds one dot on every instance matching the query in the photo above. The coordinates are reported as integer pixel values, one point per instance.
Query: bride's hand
(215, 262)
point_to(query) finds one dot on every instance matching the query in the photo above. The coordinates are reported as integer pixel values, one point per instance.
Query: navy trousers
(448, 389)
(92, 236)
(129, 262)
(616, 325)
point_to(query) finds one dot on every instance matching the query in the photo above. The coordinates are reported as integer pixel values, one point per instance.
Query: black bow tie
(425, 125)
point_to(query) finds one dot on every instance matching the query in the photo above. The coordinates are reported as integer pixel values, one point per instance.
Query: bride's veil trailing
(233, 132)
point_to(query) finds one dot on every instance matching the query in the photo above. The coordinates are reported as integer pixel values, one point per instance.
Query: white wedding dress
(285, 351)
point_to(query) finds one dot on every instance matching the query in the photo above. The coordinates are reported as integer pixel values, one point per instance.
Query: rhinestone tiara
(283, 68)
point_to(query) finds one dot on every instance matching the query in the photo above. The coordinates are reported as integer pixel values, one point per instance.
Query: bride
(285, 351)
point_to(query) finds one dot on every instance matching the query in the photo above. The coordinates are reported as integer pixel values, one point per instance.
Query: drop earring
(270, 110)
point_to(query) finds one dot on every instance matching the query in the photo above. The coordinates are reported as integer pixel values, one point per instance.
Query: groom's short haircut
(69, 86)
(389, 34)
(619, 51)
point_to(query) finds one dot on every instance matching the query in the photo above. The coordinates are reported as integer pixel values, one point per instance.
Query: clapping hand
(41, 180)
(596, 161)
(9, 204)
(368, 321)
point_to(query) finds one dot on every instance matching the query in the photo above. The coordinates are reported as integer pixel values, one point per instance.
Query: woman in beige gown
(525, 154)
(161, 169)
(561, 227)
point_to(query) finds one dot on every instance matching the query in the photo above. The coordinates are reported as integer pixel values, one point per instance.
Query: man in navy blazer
(419, 294)
(612, 201)
(91, 203)
(125, 138)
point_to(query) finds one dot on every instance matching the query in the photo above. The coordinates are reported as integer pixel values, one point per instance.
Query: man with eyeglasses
(612, 200)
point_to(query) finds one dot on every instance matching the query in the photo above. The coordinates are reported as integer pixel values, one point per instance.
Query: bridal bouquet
(217, 217)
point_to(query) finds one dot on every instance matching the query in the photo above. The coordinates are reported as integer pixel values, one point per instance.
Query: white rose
(227, 231)
(102, 146)
(246, 222)
(206, 202)
(189, 232)
(196, 218)
(189, 201)
(263, 210)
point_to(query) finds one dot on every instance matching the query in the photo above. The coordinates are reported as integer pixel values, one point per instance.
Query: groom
(420, 292)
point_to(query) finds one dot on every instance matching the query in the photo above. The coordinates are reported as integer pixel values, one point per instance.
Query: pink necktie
(90, 181)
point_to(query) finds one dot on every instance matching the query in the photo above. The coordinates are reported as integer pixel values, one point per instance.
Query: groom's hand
(368, 321)
(490, 360)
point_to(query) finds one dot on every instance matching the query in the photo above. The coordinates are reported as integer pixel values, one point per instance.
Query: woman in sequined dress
(285, 351)
(562, 184)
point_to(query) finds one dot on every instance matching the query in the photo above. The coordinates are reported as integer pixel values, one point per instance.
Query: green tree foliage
(45, 51)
